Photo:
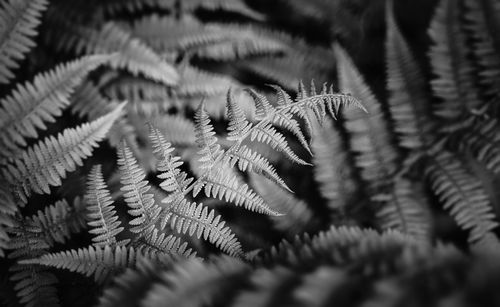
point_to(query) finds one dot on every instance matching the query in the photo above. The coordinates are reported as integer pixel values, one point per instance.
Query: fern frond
(198, 83)
(97, 261)
(370, 137)
(234, 6)
(193, 283)
(159, 243)
(175, 181)
(31, 104)
(332, 169)
(18, 23)
(34, 284)
(221, 42)
(131, 286)
(101, 214)
(454, 83)
(404, 209)
(480, 20)
(141, 204)
(222, 184)
(197, 220)
(209, 150)
(298, 215)
(409, 105)
(44, 164)
(249, 160)
(176, 130)
(57, 222)
(8, 209)
(131, 53)
(463, 195)
(238, 123)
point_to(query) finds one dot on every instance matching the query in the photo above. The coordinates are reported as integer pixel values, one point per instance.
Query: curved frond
(97, 261)
(8, 209)
(451, 64)
(297, 216)
(404, 208)
(193, 283)
(464, 196)
(101, 214)
(31, 104)
(141, 204)
(209, 151)
(47, 162)
(197, 220)
(18, 22)
(57, 222)
(223, 184)
(332, 169)
(408, 102)
(159, 243)
(369, 134)
(238, 123)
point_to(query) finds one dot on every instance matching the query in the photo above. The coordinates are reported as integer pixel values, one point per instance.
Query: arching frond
(141, 204)
(209, 150)
(223, 184)
(370, 136)
(404, 208)
(332, 169)
(177, 130)
(131, 286)
(18, 23)
(102, 216)
(238, 123)
(249, 160)
(213, 41)
(408, 102)
(463, 195)
(46, 163)
(159, 243)
(57, 222)
(196, 82)
(197, 220)
(131, 53)
(33, 284)
(8, 209)
(480, 20)
(193, 283)
(97, 261)
(31, 104)
(297, 216)
(451, 64)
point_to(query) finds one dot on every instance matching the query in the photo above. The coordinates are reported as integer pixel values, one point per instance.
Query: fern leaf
(408, 103)
(198, 83)
(194, 283)
(248, 160)
(267, 134)
(8, 209)
(159, 244)
(369, 134)
(197, 220)
(298, 215)
(141, 203)
(332, 169)
(44, 164)
(209, 150)
(57, 222)
(463, 196)
(175, 181)
(102, 216)
(176, 130)
(404, 209)
(235, 6)
(450, 62)
(131, 53)
(238, 124)
(97, 261)
(481, 22)
(224, 185)
(34, 284)
(18, 23)
(33, 103)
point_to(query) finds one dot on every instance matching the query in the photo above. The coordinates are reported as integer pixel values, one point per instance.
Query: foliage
(214, 188)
